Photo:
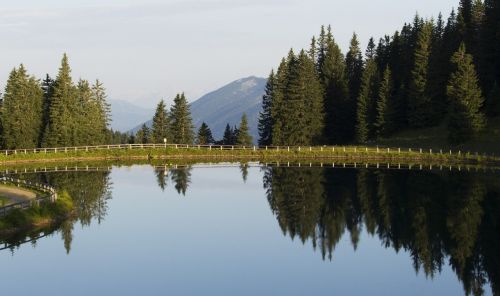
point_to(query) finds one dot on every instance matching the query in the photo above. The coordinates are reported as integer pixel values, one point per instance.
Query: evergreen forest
(431, 72)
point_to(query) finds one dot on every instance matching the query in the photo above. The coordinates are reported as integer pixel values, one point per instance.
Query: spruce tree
(227, 138)
(336, 95)
(277, 107)
(489, 58)
(22, 107)
(181, 121)
(103, 111)
(63, 109)
(464, 94)
(366, 102)
(265, 116)
(161, 125)
(383, 122)
(354, 68)
(244, 138)
(48, 92)
(204, 136)
(143, 136)
(420, 108)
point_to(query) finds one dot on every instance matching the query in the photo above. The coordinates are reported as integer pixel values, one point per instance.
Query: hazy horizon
(147, 50)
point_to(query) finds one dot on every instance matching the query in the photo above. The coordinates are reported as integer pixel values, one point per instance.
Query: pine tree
(143, 136)
(63, 110)
(86, 118)
(48, 92)
(181, 121)
(354, 68)
(228, 137)
(365, 104)
(265, 116)
(370, 50)
(244, 138)
(336, 95)
(204, 135)
(489, 58)
(103, 111)
(420, 108)
(21, 114)
(464, 93)
(277, 106)
(383, 122)
(161, 125)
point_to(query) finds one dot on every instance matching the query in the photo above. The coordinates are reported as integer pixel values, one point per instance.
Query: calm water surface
(264, 231)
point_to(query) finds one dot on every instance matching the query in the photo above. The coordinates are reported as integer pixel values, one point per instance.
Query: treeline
(176, 126)
(429, 73)
(53, 112)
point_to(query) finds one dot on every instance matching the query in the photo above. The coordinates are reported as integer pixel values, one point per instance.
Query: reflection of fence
(338, 165)
(57, 169)
(282, 149)
(44, 193)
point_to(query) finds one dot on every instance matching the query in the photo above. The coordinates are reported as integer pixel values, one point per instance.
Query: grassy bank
(347, 153)
(487, 142)
(36, 216)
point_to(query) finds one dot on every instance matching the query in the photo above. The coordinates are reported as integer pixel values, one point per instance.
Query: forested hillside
(432, 72)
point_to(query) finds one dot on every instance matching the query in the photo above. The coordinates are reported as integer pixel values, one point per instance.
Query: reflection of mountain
(434, 217)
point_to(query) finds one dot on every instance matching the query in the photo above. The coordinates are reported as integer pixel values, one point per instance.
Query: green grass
(30, 218)
(436, 137)
(351, 153)
(4, 201)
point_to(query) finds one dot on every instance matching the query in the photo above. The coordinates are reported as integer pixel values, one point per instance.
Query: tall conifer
(420, 109)
(244, 138)
(181, 121)
(161, 125)
(464, 94)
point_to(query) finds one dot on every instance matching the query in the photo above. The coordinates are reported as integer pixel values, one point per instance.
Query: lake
(264, 230)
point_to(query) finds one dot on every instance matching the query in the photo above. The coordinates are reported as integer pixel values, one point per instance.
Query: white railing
(48, 194)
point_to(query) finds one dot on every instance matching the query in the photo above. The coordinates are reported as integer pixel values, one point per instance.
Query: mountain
(126, 115)
(227, 105)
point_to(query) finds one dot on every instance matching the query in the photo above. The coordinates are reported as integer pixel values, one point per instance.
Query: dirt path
(16, 195)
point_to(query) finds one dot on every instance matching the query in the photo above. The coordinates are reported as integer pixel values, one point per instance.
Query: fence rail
(48, 194)
(323, 149)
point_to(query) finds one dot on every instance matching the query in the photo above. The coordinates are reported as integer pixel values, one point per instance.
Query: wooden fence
(45, 193)
(283, 149)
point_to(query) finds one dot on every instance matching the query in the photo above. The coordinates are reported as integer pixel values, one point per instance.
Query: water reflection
(90, 192)
(439, 218)
(180, 177)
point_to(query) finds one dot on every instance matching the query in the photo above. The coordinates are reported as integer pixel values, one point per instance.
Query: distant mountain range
(126, 115)
(227, 105)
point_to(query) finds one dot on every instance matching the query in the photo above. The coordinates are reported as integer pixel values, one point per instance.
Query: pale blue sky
(144, 50)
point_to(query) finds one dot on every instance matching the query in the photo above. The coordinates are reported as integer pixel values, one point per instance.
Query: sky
(146, 50)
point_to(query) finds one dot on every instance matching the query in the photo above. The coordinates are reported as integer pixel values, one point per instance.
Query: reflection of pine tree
(181, 178)
(90, 192)
(244, 171)
(67, 234)
(162, 177)
(431, 216)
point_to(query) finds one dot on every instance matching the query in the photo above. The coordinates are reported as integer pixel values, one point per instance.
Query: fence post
(254, 148)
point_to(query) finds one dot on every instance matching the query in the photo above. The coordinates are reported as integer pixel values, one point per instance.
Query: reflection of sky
(219, 239)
